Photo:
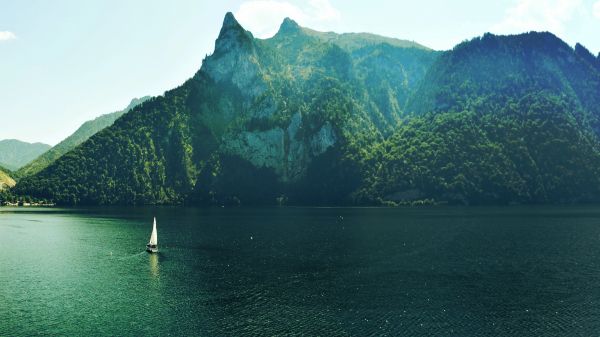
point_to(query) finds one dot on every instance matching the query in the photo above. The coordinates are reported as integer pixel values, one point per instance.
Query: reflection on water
(153, 260)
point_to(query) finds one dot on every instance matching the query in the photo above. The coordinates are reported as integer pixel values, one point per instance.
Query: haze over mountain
(15, 153)
(319, 118)
(85, 131)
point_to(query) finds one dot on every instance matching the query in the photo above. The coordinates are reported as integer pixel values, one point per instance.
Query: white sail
(154, 235)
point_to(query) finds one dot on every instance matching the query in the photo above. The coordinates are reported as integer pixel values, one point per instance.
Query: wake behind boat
(152, 246)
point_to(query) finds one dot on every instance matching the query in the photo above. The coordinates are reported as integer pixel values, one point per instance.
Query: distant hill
(85, 131)
(14, 153)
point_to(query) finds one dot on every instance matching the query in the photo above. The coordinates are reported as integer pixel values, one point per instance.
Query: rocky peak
(289, 26)
(232, 35)
(234, 59)
(229, 22)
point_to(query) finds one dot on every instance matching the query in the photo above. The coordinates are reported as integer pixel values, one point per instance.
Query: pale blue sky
(63, 62)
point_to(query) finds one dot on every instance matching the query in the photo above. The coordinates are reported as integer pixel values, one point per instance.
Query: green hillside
(499, 119)
(85, 131)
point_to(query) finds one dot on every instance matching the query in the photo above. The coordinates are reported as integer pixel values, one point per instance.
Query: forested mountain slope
(85, 131)
(498, 119)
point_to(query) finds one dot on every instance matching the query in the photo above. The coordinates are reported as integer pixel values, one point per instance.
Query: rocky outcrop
(284, 151)
(261, 148)
(322, 140)
(289, 27)
(5, 181)
(235, 60)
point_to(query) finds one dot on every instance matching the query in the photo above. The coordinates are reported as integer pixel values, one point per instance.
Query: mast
(154, 235)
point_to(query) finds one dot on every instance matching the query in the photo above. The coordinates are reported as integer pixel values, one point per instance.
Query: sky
(64, 62)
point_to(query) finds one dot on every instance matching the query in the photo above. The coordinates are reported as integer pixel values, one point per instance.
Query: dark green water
(301, 271)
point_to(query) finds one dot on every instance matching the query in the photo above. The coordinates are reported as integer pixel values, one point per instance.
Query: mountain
(262, 119)
(498, 69)
(498, 119)
(85, 131)
(15, 153)
(5, 180)
(319, 118)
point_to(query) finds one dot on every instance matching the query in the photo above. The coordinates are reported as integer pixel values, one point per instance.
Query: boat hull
(151, 249)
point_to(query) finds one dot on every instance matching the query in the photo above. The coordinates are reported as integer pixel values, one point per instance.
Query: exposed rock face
(289, 26)
(282, 150)
(285, 150)
(235, 59)
(296, 149)
(261, 148)
(5, 181)
(232, 36)
(322, 140)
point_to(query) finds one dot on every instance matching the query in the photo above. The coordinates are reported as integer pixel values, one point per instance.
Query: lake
(444, 271)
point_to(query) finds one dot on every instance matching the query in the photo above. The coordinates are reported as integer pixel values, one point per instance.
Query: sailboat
(152, 246)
